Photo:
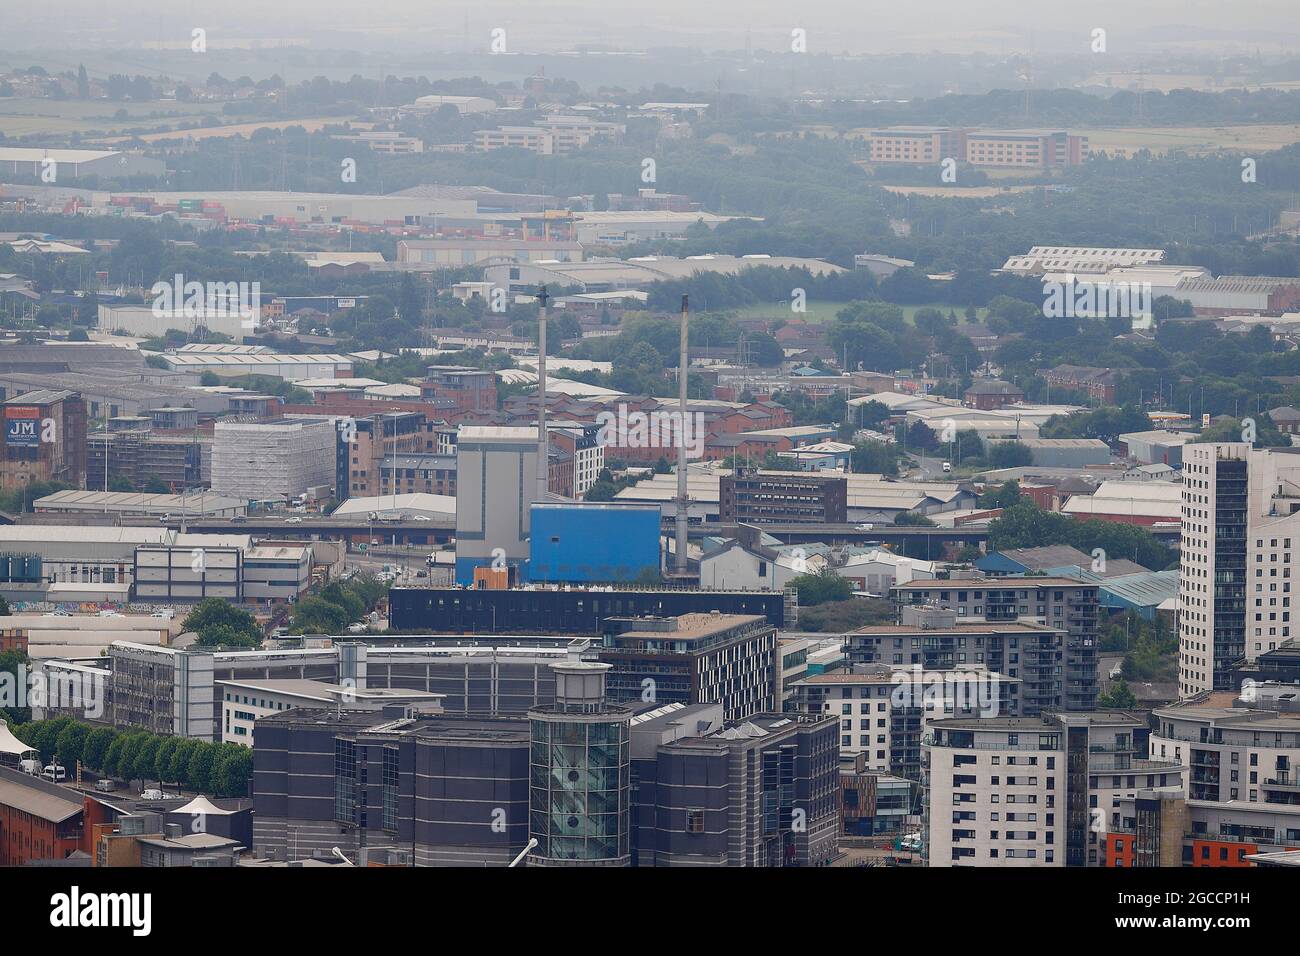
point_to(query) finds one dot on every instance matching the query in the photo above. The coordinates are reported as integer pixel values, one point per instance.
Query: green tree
(95, 750)
(1003, 496)
(913, 519)
(1009, 454)
(70, 743)
(1119, 697)
(231, 771)
(316, 616)
(213, 619)
(820, 587)
(223, 635)
(199, 773)
(178, 767)
(144, 762)
(113, 755)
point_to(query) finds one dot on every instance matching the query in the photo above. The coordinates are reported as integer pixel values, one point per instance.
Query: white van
(54, 774)
(32, 767)
(947, 466)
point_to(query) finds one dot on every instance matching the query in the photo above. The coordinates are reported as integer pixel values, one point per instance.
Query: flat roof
(695, 625)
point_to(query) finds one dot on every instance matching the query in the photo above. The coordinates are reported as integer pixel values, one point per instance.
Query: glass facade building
(580, 773)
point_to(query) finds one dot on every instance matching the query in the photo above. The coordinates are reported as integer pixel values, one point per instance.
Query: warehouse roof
(49, 806)
(22, 154)
(1143, 589)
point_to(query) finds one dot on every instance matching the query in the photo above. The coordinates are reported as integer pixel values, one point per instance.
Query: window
(694, 821)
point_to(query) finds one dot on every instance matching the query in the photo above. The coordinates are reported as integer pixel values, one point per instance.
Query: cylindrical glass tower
(579, 773)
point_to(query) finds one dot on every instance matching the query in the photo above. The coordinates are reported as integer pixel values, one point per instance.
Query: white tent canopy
(9, 744)
(202, 805)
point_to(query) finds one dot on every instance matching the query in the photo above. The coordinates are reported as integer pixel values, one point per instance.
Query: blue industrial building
(593, 542)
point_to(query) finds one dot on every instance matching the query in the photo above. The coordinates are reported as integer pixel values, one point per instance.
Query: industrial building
(149, 321)
(76, 163)
(1067, 453)
(291, 368)
(613, 275)
(260, 461)
(1080, 260)
(201, 505)
(44, 439)
(769, 497)
(594, 543)
(1232, 295)
(456, 253)
(293, 207)
(496, 468)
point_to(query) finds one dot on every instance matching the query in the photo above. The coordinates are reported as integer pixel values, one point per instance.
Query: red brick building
(38, 820)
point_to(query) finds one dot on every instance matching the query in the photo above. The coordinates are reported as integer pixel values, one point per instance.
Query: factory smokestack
(543, 445)
(683, 503)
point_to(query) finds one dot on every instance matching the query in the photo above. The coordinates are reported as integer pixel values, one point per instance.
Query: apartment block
(1062, 604)
(693, 658)
(884, 711)
(1032, 791)
(1235, 580)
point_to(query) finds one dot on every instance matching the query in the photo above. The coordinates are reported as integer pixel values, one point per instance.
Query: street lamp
(528, 848)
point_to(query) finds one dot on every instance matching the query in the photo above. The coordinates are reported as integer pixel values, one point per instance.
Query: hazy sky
(864, 26)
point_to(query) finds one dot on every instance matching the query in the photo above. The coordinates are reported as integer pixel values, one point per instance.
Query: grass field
(313, 125)
(22, 116)
(1195, 139)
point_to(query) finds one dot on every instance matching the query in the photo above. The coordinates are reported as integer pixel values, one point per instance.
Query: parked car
(54, 773)
(105, 786)
(293, 520)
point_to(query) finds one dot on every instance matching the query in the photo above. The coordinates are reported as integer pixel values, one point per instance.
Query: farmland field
(23, 116)
(1196, 139)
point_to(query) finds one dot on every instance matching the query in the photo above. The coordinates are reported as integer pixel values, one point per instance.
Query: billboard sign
(22, 426)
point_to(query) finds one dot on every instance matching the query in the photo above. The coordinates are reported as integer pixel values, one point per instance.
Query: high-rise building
(1234, 586)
